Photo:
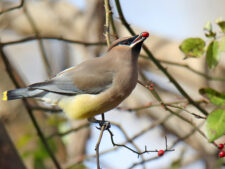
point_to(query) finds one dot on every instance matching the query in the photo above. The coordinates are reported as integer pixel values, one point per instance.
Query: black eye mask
(127, 42)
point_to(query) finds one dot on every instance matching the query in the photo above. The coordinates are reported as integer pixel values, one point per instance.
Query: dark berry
(161, 152)
(222, 154)
(220, 146)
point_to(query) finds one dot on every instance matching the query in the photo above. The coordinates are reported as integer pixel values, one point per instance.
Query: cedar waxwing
(94, 86)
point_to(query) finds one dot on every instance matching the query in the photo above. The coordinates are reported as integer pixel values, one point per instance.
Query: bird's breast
(88, 105)
(126, 80)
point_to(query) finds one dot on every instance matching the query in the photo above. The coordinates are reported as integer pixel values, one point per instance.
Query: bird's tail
(19, 93)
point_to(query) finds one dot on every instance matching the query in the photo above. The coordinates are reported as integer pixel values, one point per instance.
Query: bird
(93, 87)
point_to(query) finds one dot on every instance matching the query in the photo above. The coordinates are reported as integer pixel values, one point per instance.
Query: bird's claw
(106, 125)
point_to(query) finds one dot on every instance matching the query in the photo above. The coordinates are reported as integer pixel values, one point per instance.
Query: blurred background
(168, 22)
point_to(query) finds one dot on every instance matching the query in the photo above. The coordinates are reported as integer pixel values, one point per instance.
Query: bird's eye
(126, 43)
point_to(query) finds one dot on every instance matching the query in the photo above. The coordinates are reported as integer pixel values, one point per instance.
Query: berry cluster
(221, 153)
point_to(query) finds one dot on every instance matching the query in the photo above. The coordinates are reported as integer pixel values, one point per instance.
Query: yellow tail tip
(4, 96)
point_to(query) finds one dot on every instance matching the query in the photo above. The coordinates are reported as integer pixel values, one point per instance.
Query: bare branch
(28, 108)
(27, 39)
(186, 66)
(97, 146)
(183, 109)
(131, 141)
(172, 146)
(52, 110)
(158, 104)
(156, 95)
(13, 8)
(157, 63)
(107, 21)
(61, 134)
(114, 31)
(206, 76)
(136, 152)
(40, 42)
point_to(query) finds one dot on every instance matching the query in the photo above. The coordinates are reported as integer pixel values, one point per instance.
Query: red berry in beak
(145, 34)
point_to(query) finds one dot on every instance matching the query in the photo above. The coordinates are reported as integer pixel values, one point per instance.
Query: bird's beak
(140, 38)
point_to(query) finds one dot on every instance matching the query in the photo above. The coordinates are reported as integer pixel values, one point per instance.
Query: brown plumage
(94, 86)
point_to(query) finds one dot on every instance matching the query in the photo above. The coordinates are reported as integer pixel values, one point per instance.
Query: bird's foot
(104, 123)
(101, 123)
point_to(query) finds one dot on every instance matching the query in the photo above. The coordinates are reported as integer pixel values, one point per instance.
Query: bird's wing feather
(85, 78)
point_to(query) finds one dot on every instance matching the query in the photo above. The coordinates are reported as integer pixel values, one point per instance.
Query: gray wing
(78, 80)
(57, 87)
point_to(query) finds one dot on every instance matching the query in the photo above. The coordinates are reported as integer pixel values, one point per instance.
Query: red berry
(151, 88)
(220, 146)
(161, 152)
(145, 34)
(152, 84)
(222, 154)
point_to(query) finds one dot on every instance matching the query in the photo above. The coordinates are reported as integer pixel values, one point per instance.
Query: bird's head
(133, 43)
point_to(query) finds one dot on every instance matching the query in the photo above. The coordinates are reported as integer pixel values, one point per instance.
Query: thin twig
(181, 108)
(107, 22)
(62, 134)
(156, 95)
(52, 110)
(143, 162)
(136, 152)
(143, 131)
(13, 8)
(152, 158)
(128, 139)
(114, 31)
(154, 124)
(206, 76)
(31, 38)
(157, 63)
(157, 104)
(171, 147)
(40, 42)
(186, 66)
(97, 146)
(28, 108)
(183, 138)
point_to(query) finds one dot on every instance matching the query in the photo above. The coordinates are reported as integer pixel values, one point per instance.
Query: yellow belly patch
(4, 96)
(83, 106)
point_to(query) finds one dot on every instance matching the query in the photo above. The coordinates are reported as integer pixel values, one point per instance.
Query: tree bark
(9, 158)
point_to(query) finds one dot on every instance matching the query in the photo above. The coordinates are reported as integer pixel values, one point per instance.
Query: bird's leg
(100, 122)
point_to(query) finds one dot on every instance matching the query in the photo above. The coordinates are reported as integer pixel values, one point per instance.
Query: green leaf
(215, 124)
(192, 47)
(222, 44)
(221, 24)
(39, 164)
(209, 31)
(212, 54)
(214, 96)
(24, 140)
(208, 26)
(176, 164)
(210, 35)
(77, 166)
